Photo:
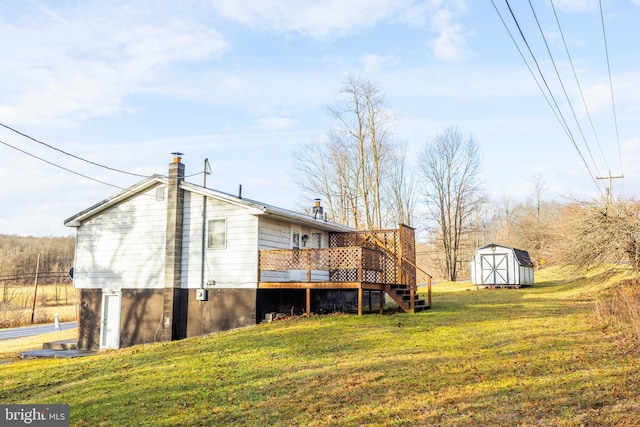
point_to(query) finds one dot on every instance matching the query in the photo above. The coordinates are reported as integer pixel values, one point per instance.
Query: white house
(166, 259)
(497, 265)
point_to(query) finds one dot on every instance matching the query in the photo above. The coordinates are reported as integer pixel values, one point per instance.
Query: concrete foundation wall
(89, 319)
(224, 309)
(141, 317)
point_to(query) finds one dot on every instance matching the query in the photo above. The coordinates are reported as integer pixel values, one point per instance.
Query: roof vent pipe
(240, 191)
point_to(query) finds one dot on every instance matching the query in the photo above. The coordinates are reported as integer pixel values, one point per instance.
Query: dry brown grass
(15, 310)
(620, 307)
(10, 349)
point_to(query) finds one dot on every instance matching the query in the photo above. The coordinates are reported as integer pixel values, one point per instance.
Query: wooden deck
(382, 261)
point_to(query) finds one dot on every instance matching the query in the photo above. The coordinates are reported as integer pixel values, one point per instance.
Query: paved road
(27, 331)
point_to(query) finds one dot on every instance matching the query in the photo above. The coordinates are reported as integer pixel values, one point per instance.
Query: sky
(245, 84)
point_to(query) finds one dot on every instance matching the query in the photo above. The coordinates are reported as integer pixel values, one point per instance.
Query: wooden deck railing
(343, 264)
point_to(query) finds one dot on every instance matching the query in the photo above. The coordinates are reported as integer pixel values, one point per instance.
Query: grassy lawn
(531, 356)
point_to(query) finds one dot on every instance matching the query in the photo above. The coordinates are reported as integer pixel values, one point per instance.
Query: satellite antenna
(207, 171)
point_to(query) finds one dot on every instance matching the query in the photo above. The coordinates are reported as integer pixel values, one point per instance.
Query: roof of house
(521, 255)
(254, 207)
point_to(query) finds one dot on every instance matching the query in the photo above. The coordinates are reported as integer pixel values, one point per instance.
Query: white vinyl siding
(124, 246)
(235, 265)
(276, 234)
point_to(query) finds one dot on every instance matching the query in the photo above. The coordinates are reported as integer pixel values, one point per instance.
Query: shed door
(494, 269)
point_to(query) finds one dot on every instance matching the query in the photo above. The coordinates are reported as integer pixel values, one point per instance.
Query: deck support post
(370, 302)
(308, 302)
(412, 293)
(360, 301)
(381, 302)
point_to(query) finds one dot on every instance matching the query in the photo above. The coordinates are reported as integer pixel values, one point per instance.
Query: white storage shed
(503, 266)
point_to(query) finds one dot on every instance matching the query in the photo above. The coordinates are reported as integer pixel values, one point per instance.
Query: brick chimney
(173, 323)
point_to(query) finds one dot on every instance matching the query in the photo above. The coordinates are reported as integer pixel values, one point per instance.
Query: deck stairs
(403, 294)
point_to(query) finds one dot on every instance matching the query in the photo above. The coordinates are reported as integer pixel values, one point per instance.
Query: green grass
(531, 356)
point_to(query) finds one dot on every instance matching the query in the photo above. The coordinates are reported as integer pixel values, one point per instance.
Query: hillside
(531, 356)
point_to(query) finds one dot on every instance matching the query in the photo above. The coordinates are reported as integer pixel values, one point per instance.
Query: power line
(75, 157)
(575, 75)
(564, 90)
(83, 175)
(60, 167)
(613, 103)
(556, 110)
(69, 154)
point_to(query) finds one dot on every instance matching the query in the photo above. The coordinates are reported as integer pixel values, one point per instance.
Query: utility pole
(610, 178)
(35, 292)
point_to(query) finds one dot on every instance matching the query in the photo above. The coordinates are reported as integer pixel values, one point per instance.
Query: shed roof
(255, 207)
(521, 255)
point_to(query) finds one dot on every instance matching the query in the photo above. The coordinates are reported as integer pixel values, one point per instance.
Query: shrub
(620, 307)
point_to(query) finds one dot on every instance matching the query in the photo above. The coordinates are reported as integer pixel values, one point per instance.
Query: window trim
(224, 234)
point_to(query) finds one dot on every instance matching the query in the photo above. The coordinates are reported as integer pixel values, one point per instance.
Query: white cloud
(83, 62)
(316, 19)
(331, 19)
(598, 97)
(275, 123)
(451, 42)
(576, 5)
(373, 63)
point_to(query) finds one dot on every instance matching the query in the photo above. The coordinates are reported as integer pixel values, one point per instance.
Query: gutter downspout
(204, 225)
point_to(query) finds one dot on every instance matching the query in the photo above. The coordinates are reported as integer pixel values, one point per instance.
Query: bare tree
(450, 165)
(364, 132)
(322, 173)
(356, 168)
(401, 189)
(539, 187)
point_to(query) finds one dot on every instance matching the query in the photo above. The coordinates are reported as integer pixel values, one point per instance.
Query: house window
(316, 240)
(295, 237)
(217, 234)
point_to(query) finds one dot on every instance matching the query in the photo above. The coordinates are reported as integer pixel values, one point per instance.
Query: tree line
(362, 172)
(19, 258)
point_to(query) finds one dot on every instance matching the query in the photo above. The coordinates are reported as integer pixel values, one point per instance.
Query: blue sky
(246, 83)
